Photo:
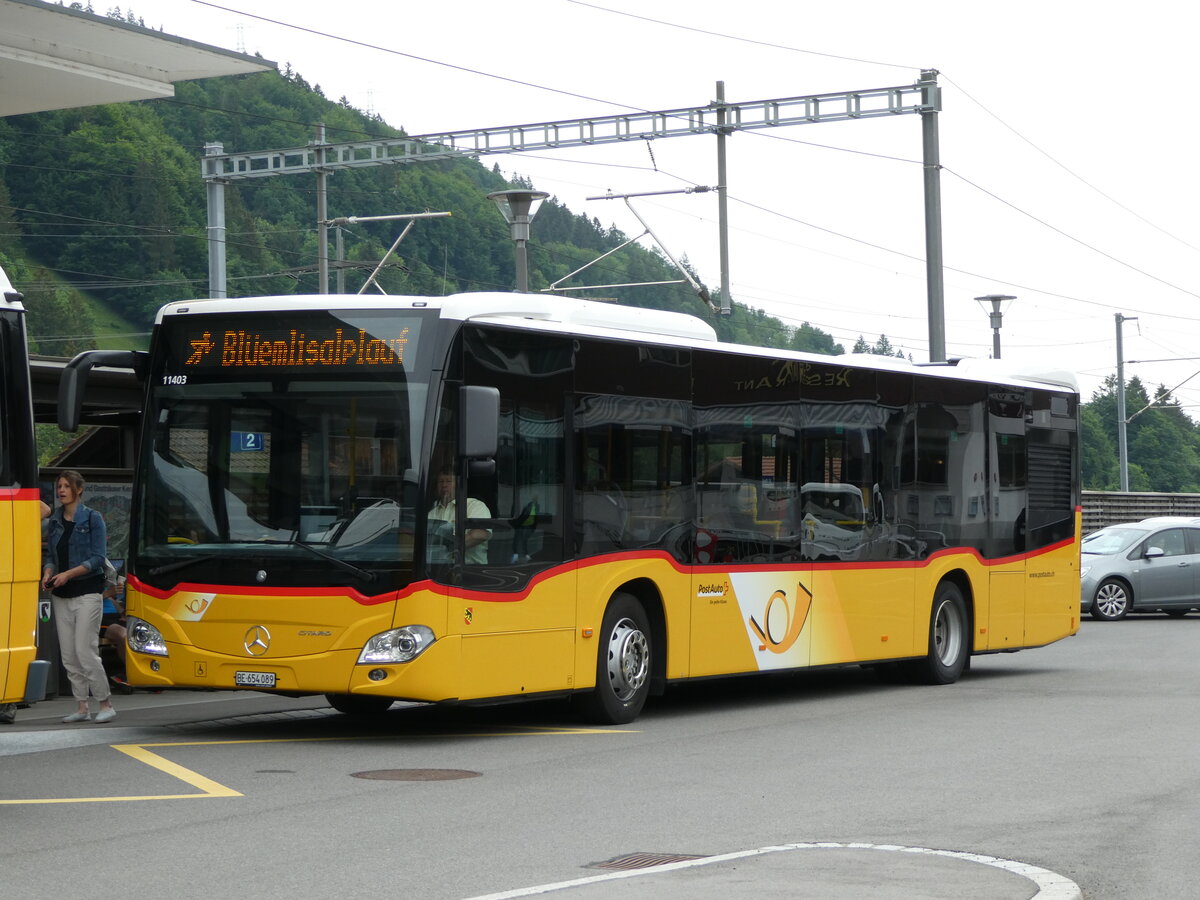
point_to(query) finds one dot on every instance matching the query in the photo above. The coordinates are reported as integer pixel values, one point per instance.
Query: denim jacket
(88, 544)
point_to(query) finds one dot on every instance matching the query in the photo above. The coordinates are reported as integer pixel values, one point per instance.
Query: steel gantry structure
(719, 118)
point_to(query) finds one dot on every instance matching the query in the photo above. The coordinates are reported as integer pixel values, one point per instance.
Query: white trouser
(77, 620)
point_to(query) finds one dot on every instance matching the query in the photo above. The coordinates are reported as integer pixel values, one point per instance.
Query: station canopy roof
(54, 57)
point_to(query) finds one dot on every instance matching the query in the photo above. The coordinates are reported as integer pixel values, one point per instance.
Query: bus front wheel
(949, 638)
(622, 664)
(359, 704)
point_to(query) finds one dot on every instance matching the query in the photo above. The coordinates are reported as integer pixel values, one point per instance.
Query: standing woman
(73, 572)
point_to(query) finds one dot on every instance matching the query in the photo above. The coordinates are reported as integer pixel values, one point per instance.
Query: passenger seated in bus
(444, 510)
(523, 525)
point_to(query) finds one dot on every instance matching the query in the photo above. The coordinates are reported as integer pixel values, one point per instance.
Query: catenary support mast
(719, 118)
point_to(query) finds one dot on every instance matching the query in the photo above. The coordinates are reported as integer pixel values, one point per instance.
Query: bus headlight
(144, 637)
(397, 646)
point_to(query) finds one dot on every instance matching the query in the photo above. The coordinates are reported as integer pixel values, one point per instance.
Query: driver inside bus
(444, 509)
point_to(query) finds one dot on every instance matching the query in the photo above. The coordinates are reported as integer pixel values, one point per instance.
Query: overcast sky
(1067, 144)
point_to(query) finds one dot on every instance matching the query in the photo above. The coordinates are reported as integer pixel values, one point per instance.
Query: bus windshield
(285, 448)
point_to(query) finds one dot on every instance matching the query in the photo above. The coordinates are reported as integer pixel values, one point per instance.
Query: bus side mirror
(73, 382)
(479, 426)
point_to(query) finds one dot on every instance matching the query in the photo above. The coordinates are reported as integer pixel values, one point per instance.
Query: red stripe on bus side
(548, 574)
(20, 494)
(193, 588)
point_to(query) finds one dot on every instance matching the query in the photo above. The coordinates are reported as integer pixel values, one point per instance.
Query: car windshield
(1112, 540)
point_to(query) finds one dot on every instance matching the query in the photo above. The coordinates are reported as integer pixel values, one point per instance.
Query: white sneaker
(106, 715)
(76, 717)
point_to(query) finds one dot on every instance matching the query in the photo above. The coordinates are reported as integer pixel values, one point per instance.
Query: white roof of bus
(569, 315)
(8, 293)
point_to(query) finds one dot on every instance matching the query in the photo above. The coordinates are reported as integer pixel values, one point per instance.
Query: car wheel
(1177, 613)
(623, 664)
(359, 704)
(949, 638)
(1111, 601)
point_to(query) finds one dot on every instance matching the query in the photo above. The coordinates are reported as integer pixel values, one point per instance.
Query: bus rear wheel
(623, 664)
(359, 704)
(949, 638)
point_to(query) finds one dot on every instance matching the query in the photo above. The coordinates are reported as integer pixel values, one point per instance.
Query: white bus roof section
(548, 313)
(9, 295)
(1002, 371)
(574, 315)
(53, 57)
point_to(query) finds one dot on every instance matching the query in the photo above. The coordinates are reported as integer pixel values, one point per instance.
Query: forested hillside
(107, 203)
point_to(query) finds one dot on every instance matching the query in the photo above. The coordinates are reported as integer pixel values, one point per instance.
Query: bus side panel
(517, 663)
(721, 638)
(20, 563)
(1052, 595)
(516, 644)
(1005, 621)
(863, 614)
(750, 620)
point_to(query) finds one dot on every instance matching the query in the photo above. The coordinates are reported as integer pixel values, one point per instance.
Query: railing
(1103, 508)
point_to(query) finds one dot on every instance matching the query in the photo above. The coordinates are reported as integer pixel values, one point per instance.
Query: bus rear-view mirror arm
(73, 382)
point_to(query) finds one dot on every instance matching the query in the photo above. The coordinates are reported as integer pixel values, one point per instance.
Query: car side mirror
(1153, 552)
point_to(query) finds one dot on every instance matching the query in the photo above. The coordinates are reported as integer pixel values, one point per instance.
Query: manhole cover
(642, 860)
(416, 774)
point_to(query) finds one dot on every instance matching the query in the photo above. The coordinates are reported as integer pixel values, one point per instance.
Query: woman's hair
(73, 478)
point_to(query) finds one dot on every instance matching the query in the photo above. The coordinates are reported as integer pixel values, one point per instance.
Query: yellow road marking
(209, 789)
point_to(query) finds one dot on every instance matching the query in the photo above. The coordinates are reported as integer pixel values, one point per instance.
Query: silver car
(1141, 567)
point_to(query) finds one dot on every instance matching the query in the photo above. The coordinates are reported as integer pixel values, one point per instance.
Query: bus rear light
(397, 646)
(145, 638)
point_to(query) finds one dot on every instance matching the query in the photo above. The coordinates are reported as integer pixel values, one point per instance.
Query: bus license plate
(254, 679)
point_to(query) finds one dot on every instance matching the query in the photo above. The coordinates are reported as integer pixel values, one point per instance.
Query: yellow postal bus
(22, 675)
(485, 497)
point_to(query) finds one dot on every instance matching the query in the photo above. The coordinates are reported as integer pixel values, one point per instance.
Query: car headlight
(1084, 570)
(144, 637)
(399, 645)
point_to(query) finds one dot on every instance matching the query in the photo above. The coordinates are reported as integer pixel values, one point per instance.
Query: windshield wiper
(178, 564)
(340, 563)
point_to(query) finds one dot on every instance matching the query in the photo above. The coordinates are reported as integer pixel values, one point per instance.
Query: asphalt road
(1059, 772)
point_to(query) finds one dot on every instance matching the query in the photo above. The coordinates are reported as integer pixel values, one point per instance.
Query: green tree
(810, 339)
(1163, 442)
(1098, 452)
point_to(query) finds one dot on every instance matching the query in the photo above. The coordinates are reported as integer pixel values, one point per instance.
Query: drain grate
(416, 774)
(642, 860)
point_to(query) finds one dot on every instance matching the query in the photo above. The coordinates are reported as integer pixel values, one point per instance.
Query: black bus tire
(359, 704)
(623, 664)
(949, 638)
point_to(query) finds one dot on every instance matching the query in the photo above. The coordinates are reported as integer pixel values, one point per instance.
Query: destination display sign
(317, 344)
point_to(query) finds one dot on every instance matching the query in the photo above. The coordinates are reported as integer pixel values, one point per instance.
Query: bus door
(511, 598)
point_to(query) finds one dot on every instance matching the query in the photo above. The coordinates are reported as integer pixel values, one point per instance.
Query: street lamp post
(996, 316)
(518, 207)
(1122, 422)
